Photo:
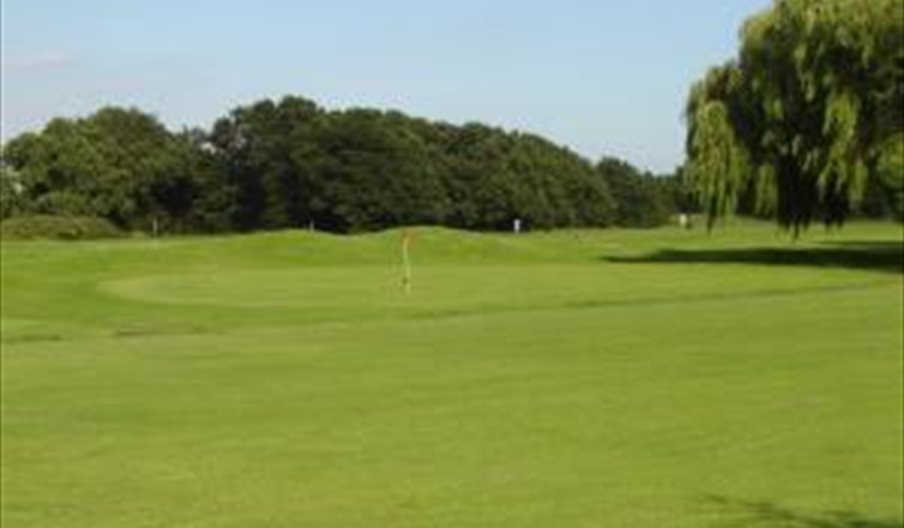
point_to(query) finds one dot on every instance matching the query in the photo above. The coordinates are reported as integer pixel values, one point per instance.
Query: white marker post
(406, 262)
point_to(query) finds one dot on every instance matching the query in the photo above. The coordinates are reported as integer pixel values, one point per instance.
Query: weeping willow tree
(810, 109)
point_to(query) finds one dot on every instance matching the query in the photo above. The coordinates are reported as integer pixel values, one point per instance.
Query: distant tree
(63, 171)
(265, 153)
(213, 197)
(10, 192)
(641, 201)
(812, 108)
(119, 164)
(375, 173)
(494, 177)
(679, 193)
(149, 164)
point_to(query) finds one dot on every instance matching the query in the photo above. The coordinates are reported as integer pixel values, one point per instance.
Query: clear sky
(601, 76)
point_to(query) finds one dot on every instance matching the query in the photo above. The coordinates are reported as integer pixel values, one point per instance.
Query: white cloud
(36, 60)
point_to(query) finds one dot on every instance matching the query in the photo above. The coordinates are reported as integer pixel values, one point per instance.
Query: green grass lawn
(573, 379)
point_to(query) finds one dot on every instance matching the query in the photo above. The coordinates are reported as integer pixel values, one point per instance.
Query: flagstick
(406, 278)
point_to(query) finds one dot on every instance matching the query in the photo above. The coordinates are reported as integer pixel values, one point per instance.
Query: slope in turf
(615, 378)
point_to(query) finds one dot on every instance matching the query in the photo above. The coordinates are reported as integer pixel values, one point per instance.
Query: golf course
(573, 378)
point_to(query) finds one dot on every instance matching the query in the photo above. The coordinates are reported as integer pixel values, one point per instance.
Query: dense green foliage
(807, 117)
(642, 200)
(587, 378)
(290, 163)
(121, 165)
(57, 227)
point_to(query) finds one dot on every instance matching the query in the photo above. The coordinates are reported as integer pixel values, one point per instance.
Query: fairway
(598, 378)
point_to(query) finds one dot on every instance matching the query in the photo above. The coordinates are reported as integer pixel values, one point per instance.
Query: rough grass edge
(36, 227)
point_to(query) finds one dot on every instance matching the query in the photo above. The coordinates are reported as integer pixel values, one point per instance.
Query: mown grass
(580, 378)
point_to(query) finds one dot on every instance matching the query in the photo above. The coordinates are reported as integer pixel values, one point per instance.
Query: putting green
(470, 287)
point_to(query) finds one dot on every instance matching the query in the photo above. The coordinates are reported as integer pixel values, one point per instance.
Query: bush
(58, 228)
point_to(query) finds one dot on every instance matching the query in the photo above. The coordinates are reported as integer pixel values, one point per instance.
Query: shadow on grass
(769, 515)
(866, 255)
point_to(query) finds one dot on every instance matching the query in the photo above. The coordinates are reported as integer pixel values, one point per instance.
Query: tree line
(292, 164)
(805, 123)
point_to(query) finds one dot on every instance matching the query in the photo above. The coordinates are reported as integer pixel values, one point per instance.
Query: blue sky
(601, 76)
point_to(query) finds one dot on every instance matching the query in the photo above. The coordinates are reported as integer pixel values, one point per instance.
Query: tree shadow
(880, 256)
(737, 513)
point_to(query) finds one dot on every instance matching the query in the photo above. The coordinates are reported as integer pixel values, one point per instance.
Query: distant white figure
(682, 220)
(516, 226)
